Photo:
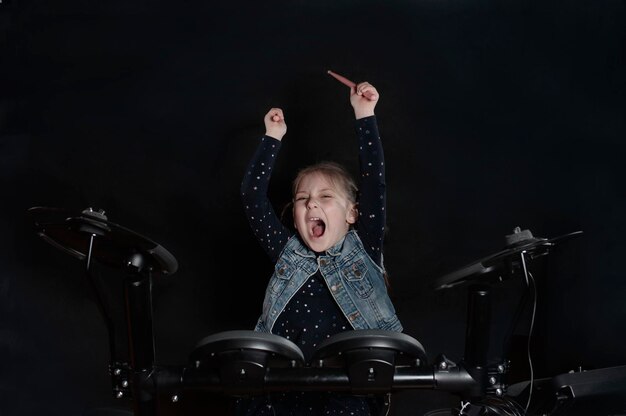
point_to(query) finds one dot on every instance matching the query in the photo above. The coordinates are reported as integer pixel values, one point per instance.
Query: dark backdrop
(493, 115)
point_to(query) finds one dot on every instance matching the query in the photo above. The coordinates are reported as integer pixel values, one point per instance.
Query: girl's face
(322, 214)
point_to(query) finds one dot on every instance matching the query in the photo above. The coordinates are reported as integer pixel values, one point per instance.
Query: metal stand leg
(478, 327)
(477, 338)
(138, 295)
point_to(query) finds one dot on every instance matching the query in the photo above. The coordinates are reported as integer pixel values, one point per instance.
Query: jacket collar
(302, 250)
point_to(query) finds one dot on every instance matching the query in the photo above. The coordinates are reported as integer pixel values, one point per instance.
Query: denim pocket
(356, 275)
(282, 273)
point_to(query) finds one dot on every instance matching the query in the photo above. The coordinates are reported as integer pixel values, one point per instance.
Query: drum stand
(475, 379)
(88, 235)
(138, 297)
(245, 363)
(127, 377)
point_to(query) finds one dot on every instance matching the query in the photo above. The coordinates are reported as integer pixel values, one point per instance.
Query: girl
(329, 275)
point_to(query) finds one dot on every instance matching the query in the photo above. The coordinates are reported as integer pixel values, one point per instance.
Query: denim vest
(353, 278)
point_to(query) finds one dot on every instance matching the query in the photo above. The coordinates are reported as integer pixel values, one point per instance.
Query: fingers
(275, 125)
(367, 90)
(364, 98)
(360, 87)
(275, 114)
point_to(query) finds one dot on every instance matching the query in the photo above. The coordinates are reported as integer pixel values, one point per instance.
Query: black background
(493, 115)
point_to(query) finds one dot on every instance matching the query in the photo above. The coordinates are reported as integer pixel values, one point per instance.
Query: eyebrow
(321, 190)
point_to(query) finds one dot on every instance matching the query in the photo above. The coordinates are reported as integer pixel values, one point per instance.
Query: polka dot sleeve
(269, 231)
(372, 192)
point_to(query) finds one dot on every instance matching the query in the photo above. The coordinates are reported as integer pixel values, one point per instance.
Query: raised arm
(372, 188)
(265, 224)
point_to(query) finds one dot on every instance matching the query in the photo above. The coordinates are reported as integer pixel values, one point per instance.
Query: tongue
(318, 229)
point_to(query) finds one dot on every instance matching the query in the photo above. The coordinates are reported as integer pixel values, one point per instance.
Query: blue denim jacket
(353, 278)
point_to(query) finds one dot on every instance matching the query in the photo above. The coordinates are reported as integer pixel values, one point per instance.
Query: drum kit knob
(244, 363)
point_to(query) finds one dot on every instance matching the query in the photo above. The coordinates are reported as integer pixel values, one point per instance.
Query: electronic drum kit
(244, 363)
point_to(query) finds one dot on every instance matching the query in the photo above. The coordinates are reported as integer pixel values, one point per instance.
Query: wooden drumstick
(347, 82)
(342, 79)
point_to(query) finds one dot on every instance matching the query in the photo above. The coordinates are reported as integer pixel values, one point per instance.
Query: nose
(311, 203)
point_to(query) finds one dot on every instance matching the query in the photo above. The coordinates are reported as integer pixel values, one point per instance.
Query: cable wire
(530, 282)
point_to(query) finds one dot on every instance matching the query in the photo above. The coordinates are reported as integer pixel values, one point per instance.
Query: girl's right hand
(275, 125)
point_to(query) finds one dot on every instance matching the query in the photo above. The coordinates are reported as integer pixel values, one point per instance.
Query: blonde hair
(335, 173)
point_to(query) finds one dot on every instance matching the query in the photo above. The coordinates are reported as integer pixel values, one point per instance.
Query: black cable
(498, 406)
(530, 282)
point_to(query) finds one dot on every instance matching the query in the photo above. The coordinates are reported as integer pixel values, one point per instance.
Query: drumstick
(342, 79)
(347, 82)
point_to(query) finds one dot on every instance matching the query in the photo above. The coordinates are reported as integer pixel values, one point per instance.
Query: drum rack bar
(177, 379)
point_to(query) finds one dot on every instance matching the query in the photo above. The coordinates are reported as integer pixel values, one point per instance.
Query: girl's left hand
(363, 98)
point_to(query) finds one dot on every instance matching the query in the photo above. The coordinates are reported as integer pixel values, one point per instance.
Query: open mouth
(317, 226)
